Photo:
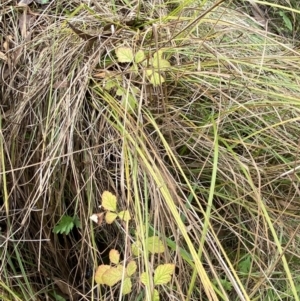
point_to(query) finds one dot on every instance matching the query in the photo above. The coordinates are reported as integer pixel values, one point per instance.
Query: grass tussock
(198, 139)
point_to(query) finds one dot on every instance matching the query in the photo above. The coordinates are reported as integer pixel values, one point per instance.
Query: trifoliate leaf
(110, 217)
(114, 256)
(124, 215)
(127, 286)
(99, 273)
(155, 245)
(156, 79)
(124, 54)
(162, 273)
(144, 278)
(131, 268)
(139, 56)
(109, 201)
(112, 276)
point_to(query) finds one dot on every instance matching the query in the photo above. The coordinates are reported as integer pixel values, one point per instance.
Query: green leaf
(66, 224)
(156, 79)
(155, 245)
(58, 297)
(109, 201)
(227, 285)
(286, 20)
(110, 83)
(114, 256)
(112, 276)
(131, 268)
(139, 56)
(244, 265)
(163, 273)
(76, 221)
(124, 55)
(134, 69)
(127, 286)
(120, 91)
(129, 102)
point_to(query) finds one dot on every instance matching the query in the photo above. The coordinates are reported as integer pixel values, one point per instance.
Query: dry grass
(209, 160)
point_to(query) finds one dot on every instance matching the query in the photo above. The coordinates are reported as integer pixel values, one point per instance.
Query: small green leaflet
(66, 224)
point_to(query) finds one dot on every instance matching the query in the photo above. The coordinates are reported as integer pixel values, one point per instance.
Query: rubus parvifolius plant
(125, 271)
(142, 68)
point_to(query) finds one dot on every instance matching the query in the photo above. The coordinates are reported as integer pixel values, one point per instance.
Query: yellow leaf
(155, 245)
(155, 295)
(131, 268)
(139, 56)
(124, 215)
(162, 273)
(149, 72)
(156, 79)
(112, 276)
(136, 248)
(144, 278)
(99, 273)
(159, 62)
(127, 285)
(124, 54)
(110, 217)
(157, 55)
(109, 201)
(114, 256)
